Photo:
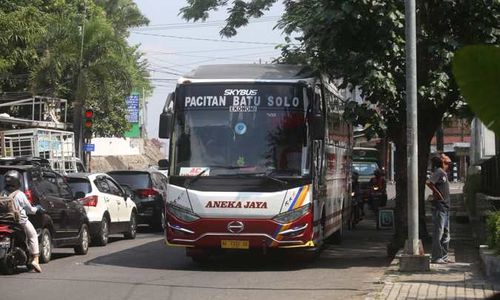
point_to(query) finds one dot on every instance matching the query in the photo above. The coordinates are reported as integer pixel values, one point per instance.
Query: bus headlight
(181, 213)
(292, 215)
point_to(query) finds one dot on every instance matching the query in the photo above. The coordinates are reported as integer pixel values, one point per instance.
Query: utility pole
(78, 107)
(413, 259)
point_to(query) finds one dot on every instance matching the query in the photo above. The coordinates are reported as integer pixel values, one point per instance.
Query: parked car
(65, 223)
(109, 207)
(150, 187)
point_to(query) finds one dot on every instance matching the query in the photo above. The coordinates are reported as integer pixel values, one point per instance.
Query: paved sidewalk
(462, 279)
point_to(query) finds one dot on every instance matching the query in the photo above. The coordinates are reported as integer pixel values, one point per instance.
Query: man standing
(439, 184)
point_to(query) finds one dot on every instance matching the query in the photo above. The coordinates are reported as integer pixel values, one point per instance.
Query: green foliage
(74, 50)
(362, 42)
(123, 14)
(477, 71)
(493, 231)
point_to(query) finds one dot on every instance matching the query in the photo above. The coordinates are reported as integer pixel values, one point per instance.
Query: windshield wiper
(188, 182)
(266, 175)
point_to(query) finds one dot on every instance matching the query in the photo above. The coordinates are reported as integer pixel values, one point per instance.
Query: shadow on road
(363, 247)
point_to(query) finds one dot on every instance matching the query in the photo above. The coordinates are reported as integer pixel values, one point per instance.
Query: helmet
(12, 180)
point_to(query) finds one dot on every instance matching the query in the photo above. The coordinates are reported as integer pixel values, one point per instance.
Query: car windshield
(364, 168)
(79, 185)
(241, 129)
(135, 180)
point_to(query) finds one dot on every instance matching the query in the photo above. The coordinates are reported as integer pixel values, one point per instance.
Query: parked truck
(55, 146)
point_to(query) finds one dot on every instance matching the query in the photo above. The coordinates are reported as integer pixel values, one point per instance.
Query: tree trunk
(401, 215)
(440, 138)
(427, 124)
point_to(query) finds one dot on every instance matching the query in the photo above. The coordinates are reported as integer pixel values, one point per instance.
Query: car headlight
(5, 243)
(182, 213)
(290, 216)
(353, 194)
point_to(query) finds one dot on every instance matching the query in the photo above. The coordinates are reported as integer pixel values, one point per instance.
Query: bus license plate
(234, 244)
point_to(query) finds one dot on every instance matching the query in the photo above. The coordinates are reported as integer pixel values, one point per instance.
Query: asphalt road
(145, 268)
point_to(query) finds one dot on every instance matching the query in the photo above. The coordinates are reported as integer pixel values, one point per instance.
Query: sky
(173, 47)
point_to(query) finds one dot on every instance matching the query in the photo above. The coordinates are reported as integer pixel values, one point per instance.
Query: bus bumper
(228, 233)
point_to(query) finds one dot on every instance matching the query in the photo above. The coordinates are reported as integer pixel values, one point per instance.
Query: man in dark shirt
(439, 184)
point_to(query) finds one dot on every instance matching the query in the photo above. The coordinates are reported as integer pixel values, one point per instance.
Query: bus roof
(248, 72)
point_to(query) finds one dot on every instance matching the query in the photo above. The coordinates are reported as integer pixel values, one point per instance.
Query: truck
(365, 162)
(57, 147)
(259, 159)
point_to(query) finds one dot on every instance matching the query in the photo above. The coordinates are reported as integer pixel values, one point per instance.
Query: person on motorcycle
(377, 192)
(12, 184)
(356, 198)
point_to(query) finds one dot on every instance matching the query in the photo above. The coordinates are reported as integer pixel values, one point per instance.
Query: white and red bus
(259, 158)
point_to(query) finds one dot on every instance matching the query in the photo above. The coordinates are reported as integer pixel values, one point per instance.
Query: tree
(362, 42)
(78, 51)
(123, 15)
(21, 29)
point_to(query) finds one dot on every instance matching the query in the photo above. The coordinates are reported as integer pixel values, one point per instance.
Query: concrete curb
(490, 262)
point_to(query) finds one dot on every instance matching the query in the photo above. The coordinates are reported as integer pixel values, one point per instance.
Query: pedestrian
(12, 184)
(439, 184)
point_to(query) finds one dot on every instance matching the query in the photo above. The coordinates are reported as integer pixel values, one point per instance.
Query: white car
(109, 206)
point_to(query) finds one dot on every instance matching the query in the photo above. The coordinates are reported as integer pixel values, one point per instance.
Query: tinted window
(135, 180)
(114, 189)
(102, 186)
(79, 185)
(48, 185)
(266, 131)
(64, 187)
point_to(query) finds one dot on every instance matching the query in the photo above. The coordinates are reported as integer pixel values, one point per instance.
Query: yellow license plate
(234, 244)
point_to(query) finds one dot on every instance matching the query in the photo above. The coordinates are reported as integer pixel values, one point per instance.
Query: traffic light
(87, 123)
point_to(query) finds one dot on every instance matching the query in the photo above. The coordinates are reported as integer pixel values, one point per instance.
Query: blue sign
(132, 108)
(88, 147)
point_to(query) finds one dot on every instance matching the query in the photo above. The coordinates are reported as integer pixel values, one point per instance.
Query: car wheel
(132, 227)
(45, 246)
(103, 233)
(83, 241)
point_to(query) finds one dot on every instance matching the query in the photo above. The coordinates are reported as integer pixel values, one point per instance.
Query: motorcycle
(13, 249)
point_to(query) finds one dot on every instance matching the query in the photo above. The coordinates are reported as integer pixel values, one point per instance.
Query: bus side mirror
(166, 118)
(317, 127)
(165, 125)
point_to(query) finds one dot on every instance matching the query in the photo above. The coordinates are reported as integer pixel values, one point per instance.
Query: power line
(187, 25)
(224, 57)
(203, 39)
(155, 52)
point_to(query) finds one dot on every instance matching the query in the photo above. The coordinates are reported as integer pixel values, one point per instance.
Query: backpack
(8, 209)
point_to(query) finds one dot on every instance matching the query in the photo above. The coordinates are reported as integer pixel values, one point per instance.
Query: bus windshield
(240, 129)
